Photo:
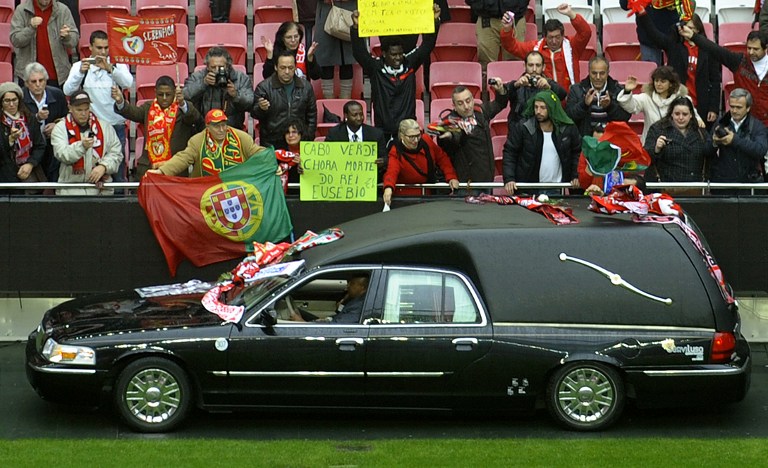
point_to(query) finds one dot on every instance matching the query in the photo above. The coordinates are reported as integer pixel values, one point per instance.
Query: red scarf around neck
(160, 124)
(23, 146)
(73, 132)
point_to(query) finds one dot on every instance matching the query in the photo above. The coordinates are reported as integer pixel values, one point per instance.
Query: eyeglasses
(11, 100)
(412, 137)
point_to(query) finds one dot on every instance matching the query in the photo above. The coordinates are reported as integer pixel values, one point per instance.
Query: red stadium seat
(266, 30)
(6, 48)
(583, 69)
(163, 9)
(6, 10)
(6, 72)
(733, 36)
(460, 11)
(531, 32)
(507, 70)
(530, 12)
(95, 11)
(86, 29)
(620, 70)
(591, 49)
(620, 42)
(337, 107)
(637, 123)
(147, 75)
(272, 11)
(133, 162)
(455, 42)
(444, 76)
(728, 86)
(500, 122)
(237, 11)
(182, 42)
(233, 37)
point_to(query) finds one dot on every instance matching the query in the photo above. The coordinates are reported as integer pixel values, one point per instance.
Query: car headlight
(55, 352)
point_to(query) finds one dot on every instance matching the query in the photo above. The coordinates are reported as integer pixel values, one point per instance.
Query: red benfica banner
(136, 40)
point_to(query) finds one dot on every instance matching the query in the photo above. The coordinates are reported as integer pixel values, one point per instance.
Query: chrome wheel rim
(586, 395)
(153, 396)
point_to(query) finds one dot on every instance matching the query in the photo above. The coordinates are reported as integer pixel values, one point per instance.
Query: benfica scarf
(556, 214)
(23, 145)
(301, 61)
(216, 157)
(160, 124)
(685, 8)
(73, 132)
(285, 161)
(567, 54)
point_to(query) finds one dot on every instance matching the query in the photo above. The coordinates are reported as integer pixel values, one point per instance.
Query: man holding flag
(168, 122)
(213, 150)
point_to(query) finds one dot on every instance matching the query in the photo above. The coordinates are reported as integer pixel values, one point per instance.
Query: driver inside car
(349, 308)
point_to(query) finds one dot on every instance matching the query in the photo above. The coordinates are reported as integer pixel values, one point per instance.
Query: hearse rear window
(428, 297)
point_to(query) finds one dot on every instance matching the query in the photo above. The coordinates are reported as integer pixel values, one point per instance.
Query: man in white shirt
(96, 75)
(354, 129)
(544, 147)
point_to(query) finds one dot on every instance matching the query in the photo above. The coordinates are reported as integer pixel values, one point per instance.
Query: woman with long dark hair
(698, 70)
(677, 145)
(290, 36)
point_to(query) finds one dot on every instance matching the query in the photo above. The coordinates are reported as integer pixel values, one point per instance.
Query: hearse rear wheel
(153, 395)
(586, 396)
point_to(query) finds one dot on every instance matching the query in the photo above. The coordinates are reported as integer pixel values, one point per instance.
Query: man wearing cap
(88, 148)
(216, 148)
(543, 148)
(168, 122)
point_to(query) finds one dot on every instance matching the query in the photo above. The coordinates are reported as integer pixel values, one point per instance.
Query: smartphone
(509, 17)
(89, 60)
(45, 107)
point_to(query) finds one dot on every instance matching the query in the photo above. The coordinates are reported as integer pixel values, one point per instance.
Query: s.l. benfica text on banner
(338, 171)
(393, 17)
(136, 40)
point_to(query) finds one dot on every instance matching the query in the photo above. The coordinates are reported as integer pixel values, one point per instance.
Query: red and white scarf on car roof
(23, 146)
(74, 135)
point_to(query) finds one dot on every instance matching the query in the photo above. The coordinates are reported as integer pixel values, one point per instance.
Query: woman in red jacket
(412, 160)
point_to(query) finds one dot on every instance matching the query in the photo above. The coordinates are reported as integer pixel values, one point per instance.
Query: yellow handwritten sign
(392, 17)
(338, 171)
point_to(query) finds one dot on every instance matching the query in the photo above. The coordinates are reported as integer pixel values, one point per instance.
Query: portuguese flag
(216, 218)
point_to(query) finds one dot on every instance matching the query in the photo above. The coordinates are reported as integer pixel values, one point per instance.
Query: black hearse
(472, 307)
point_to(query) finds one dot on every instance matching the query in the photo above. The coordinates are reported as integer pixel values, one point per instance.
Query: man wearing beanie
(88, 148)
(544, 147)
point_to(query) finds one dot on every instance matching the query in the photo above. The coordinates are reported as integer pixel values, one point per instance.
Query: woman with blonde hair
(413, 159)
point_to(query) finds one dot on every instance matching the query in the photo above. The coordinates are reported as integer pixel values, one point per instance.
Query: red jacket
(560, 72)
(400, 171)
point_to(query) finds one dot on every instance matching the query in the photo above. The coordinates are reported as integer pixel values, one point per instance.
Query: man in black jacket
(281, 97)
(393, 75)
(593, 100)
(354, 129)
(543, 148)
(470, 148)
(530, 83)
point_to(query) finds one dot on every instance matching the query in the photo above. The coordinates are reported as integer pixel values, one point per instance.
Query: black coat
(663, 19)
(339, 133)
(300, 105)
(682, 159)
(8, 166)
(472, 154)
(581, 114)
(709, 75)
(497, 8)
(522, 151)
(57, 109)
(742, 160)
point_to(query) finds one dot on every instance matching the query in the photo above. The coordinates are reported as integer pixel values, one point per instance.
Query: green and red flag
(216, 218)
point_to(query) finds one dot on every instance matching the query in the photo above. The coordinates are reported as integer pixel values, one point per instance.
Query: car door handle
(349, 344)
(464, 344)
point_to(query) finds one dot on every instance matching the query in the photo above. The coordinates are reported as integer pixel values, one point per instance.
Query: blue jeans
(120, 175)
(651, 54)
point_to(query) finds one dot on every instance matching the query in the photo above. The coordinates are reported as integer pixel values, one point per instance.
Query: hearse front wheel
(586, 396)
(153, 395)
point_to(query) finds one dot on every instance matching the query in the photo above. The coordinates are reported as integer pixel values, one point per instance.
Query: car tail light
(723, 345)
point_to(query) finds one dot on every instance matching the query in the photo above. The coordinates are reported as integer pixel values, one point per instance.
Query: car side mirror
(268, 318)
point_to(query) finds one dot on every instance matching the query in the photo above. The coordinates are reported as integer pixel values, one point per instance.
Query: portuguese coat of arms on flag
(216, 218)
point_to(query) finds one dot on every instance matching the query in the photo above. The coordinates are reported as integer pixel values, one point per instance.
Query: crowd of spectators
(200, 123)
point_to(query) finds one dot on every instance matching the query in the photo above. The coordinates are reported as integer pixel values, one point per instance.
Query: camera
(720, 132)
(679, 25)
(492, 81)
(221, 79)
(533, 80)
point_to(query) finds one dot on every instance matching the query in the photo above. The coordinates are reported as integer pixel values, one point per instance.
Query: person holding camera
(22, 145)
(530, 83)
(96, 75)
(740, 142)
(220, 86)
(470, 148)
(678, 146)
(282, 97)
(593, 100)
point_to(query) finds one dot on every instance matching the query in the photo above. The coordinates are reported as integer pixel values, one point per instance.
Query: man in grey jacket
(220, 86)
(36, 39)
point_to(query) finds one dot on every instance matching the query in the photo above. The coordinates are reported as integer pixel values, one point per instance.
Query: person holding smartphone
(21, 143)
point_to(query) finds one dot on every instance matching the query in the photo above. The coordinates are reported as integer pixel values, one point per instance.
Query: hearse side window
(317, 299)
(427, 297)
